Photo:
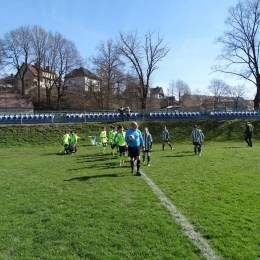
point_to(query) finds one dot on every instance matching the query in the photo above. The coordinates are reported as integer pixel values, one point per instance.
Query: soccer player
(196, 139)
(120, 143)
(103, 139)
(166, 138)
(134, 140)
(201, 140)
(73, 139)
(111, 136)
(249, 134)
(65, 142)
(147, 146)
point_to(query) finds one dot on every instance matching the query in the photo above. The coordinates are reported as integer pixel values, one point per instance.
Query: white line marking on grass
(180, 219)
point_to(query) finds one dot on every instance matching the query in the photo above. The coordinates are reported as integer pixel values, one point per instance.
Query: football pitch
(85, 206)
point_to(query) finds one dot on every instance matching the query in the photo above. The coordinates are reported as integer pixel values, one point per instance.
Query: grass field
(84, 206)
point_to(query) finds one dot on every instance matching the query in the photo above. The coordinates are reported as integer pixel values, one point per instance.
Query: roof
(157, 90)
(10, 100)
(34, 71)
(82, 72)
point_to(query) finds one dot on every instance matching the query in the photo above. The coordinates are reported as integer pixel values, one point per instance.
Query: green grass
(84, 206)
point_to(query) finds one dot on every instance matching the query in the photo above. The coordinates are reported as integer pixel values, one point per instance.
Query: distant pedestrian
(249, 134)
(121, 112)
(134, 140)
(166, 138)
(127, 112)
(147, 146)
(196, 140)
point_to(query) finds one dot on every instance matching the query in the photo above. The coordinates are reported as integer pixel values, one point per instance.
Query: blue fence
(114, 116)
(235, 114)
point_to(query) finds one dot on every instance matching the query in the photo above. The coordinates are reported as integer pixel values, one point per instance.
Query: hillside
(214, 130)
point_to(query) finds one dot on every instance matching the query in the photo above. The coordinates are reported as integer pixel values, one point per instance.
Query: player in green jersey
(120, 143)
(111, 137)
(103, 139)
(65, 142)
(73, 139)
(249, 134)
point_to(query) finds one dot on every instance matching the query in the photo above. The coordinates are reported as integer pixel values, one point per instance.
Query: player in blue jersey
(134, 140)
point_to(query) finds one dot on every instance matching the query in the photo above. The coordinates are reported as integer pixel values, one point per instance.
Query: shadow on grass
(86, 178)
(94, 157)
(179, 155)
(234, 147)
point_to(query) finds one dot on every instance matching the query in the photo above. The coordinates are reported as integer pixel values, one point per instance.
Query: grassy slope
(214, 130)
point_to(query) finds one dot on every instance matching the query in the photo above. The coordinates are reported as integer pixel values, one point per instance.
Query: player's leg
(148, 158)
(144, 156)
(170, 145)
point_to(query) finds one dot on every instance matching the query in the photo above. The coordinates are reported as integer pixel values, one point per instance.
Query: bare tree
(236, 92)
(66, 58)
(218, 88)
(241, 44)
(40, 47)
(179, 89)
(131, 87)
(107, 65)
(142, 57)
(2, 54)
(18, 52)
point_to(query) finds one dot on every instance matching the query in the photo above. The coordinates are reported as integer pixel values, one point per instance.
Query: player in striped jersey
(196, 139)
(202, 137)
(147, 145)
(166, 138)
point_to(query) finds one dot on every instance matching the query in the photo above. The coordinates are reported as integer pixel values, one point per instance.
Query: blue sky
(189, 27)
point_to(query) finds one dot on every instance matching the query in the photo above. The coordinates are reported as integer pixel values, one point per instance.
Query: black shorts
(113, 146)
(196, 143)
(166, 140)
(133, 151)
(121, 149)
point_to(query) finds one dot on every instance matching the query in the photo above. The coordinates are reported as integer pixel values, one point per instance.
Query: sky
(189, 27)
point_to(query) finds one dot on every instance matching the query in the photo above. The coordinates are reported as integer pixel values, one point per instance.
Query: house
(156, 93)
(7, 82)
(15, 103)
(46, 76)
(82, 79)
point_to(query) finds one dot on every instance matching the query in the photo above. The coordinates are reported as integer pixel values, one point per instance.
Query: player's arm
(151, 143)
